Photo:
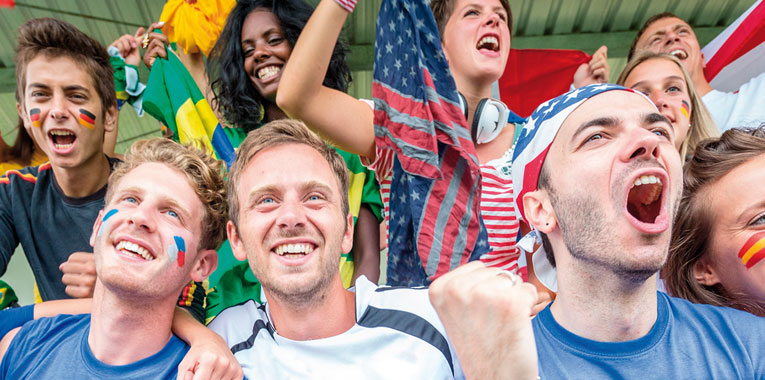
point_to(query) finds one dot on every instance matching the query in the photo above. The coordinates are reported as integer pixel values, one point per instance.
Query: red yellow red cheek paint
(87, 119)
(34, 117)
(753, 250)
(684, 108)
(177, 250)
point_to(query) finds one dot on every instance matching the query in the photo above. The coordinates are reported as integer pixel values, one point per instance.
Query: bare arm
(366, 246)
(335, 115)
(6, 341)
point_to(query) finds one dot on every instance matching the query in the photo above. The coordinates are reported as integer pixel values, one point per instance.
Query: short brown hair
(645, 26)
(205, 175)
(692, 228)
(443, 9)
(56, 38)
(276, 133)
(702, 125)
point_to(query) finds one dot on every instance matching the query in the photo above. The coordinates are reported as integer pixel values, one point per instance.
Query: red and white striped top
(497, 207)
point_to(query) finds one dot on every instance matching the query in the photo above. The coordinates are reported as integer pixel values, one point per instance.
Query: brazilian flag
(173, 98)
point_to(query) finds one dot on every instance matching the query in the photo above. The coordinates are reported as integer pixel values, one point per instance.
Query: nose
(671, 37)
(493, 19)
(142, 217)
(262, 52)
(658, 98)
(58, 108)
(291, 215)
(643, 145)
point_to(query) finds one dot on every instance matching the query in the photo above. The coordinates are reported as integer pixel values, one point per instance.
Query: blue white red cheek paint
(106, 217)
(177, 250)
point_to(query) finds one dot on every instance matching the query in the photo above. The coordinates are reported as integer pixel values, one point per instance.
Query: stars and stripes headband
(530, 152)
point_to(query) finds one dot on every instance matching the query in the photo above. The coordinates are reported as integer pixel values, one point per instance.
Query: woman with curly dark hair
(718, 240)
(244, 74)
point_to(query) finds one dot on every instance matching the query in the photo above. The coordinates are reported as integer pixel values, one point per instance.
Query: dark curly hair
(234, 95)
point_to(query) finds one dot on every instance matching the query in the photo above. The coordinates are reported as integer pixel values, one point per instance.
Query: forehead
(58, 71)
(260, 21)
(653, 69)
(161, 181)
(663, 25)
(287, 166)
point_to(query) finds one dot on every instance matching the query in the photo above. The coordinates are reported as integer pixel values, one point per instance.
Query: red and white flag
(738, 53)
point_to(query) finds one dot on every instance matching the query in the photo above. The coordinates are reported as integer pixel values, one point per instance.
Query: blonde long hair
(702, 125)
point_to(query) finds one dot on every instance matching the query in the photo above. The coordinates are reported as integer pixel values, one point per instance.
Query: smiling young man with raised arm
(163, 221)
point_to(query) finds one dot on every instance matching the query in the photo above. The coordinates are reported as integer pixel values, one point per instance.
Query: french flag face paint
(753, 250)
(106, 217)
(34, 117)
(177, 251)
(87, 119)
(685, 109)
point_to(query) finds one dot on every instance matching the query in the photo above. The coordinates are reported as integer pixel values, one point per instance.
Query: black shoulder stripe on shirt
(407, 323)
(247, 344)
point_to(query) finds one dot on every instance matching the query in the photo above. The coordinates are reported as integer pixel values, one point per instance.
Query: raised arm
(335, 115)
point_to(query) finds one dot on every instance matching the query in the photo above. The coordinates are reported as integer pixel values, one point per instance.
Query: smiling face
(146, 241)
(265, 50)
(737, 244)
(476, 40)
(673, 36)
(663, 82)
(615, 183)
(291, 226)
(63, 111)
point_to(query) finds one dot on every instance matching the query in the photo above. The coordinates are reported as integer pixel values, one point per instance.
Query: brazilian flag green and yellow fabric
(173, 98)
(7, 295)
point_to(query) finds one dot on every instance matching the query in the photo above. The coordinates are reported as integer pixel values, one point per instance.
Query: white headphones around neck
(491, 116)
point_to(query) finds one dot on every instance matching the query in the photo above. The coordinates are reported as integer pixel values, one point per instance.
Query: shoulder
(27, 176)
(48, 332)
(242, 323)
(716, 320)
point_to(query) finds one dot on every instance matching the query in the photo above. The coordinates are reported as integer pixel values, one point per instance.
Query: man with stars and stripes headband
(599, 180)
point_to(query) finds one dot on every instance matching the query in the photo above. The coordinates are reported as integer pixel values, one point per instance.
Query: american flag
(435, 191)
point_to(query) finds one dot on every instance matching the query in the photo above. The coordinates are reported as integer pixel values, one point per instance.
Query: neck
(602, 306)
(84, 179)
(332, 313)
(124, 331)
(700, 82)
(273, 112)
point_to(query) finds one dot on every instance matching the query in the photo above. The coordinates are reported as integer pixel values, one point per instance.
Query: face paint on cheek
(753, 250)
(87, 119)
(684, 108)
(34, 117)
(177, 251)
(106, 217)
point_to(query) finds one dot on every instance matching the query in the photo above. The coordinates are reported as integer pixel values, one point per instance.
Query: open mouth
(135, 250)
(294, 250)
(644, 198)
(489, 43)
(268, 72)
(62, 139)
(679, 53)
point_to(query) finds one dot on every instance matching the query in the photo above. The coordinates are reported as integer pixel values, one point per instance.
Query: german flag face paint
(177, 250)
(87, 119)
(753, 250)
(685, 108)
(34, 117)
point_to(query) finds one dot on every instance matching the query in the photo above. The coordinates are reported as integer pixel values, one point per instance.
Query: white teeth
(268, 71)
(134, 249)
(491, 41)
(679, 54)
(646, 180)
(58, 132)
(62, 146)
(303, 248)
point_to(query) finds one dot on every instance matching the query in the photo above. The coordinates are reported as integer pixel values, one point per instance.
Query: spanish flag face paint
(753, 250)
(34, 117)
(87, 119)
(685, 108)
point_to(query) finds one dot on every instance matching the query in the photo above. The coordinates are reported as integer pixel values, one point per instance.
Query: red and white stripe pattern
(348, 5)
(383, 169)
(738, 53)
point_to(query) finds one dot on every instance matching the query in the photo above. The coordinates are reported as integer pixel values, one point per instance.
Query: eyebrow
(274, 189)
(671, 77)
(662, 32)
(655, 117)
(166, 199)
(608, 122)
(73, 87)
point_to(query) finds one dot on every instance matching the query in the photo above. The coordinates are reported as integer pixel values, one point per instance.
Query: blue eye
(661, 132)
(131, 200)
(172, 213)
(267, 200)
(759, 220)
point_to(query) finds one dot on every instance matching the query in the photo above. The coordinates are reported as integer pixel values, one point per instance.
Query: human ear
(539, 211)
(96, 228)
(347, 242)
(206, 263)
(705, 273)
(110, 118)
(236, 242)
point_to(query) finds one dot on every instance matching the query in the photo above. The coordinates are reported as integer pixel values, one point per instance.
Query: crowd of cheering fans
(618, 232)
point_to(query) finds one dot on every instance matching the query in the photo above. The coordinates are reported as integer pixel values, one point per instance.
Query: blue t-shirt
(687, 342)
(51, 348)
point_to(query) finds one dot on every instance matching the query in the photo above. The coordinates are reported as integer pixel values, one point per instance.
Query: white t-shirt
(397, 335)
(743, 108)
